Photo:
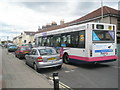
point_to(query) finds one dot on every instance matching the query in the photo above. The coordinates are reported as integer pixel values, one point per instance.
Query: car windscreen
(100, 35)
(12, 46)
(25, 48)
(47, 51)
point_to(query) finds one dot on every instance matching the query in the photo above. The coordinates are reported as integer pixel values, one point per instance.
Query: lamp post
(7, 39)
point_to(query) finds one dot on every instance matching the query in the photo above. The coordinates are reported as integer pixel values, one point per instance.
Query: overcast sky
(17, 16)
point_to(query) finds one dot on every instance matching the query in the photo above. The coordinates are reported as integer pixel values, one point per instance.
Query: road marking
(67, 71)
(11, 53)
(62, 84)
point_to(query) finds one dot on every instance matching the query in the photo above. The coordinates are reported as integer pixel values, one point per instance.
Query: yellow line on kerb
(62, 85)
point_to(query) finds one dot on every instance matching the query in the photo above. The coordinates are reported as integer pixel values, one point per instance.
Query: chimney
(43, 27)
(48, 25)
(39, 28)
(61, 21)
(53, 24)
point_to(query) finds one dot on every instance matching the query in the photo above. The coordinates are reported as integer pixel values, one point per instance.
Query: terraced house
(24, 38)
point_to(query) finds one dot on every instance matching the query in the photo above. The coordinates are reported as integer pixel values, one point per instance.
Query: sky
(17, 16)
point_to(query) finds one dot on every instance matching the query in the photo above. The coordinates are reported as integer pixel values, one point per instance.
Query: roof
(94, 14)
(14, 37)
(29, 32)
(53, 28)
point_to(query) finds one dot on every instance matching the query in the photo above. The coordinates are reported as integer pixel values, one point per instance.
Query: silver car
(43, 57)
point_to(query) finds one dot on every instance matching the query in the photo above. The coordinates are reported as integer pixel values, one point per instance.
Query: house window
(24, 41)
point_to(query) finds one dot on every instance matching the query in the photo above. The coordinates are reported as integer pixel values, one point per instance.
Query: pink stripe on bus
(93, 58)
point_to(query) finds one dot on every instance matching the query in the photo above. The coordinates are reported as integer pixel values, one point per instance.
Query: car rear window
(47, 51)
(25, 48)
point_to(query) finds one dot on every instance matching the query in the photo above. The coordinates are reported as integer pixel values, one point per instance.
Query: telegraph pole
(118, 5)
(101, 11)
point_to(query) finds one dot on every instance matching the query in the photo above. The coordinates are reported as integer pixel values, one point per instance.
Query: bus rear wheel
(66, 59)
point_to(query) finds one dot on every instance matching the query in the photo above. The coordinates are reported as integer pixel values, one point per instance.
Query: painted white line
(63, 85)
(67, 71)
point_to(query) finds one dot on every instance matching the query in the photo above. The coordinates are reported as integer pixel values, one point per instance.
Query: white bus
(85, 43)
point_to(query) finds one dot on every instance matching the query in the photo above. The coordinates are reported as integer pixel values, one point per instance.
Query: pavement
(18, 75)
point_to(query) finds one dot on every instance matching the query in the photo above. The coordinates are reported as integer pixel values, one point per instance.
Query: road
(88, 76)
(103, 75)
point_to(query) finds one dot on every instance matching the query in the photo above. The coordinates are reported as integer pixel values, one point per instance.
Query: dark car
(22, 51)
(12, 48)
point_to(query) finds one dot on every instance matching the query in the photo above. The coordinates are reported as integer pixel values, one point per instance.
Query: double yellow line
(62, 85)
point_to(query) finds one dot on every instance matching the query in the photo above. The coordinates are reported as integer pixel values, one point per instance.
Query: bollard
(56, 81)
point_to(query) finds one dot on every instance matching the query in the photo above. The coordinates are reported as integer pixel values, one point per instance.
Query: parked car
(22, 51)
(2, 45)
(25, 44)
(9, 44)
(12, 48)
(43, 57)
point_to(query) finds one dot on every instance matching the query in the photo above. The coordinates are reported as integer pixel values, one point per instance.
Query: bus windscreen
(100, 35)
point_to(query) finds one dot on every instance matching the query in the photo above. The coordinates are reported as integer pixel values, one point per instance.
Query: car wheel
(15, 55)
(19, 56)
(26, 62)
(36, 68)
(66, 59)
(59, 67)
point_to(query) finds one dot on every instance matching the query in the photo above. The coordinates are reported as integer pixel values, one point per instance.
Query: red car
(22, 51)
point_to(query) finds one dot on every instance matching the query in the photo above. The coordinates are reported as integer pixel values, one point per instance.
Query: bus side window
(74, 39)
(48, 41)
(63, 40)
(51, 41)
(82, 39)
(58, 40)
(44, 41)
(39, 41)
(68, 42)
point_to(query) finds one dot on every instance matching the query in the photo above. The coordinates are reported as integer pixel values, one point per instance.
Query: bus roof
(69, 29)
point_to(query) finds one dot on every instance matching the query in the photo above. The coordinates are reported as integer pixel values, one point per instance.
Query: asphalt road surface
(87, 76)
(103, 75)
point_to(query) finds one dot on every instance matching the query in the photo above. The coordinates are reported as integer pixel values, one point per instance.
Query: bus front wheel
(66, 59)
